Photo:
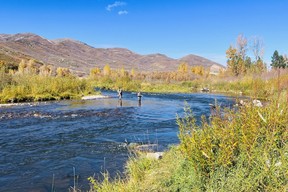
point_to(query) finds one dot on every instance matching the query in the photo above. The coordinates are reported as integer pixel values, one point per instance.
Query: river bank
(243, 151)
(32, 87)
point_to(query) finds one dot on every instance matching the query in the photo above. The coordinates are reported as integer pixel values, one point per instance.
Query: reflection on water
(44, 142)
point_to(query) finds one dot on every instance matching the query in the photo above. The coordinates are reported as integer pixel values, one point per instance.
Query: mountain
(81, 57)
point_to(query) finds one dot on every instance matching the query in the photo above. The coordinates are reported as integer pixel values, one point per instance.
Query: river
(49, 144)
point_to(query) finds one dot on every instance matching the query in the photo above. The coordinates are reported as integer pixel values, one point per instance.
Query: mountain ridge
(81, 57)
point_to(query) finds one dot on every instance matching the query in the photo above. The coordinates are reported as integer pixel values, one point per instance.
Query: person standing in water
(139, 98)
(120, 94)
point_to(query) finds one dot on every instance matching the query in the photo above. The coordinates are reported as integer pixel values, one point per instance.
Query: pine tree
(278, 61)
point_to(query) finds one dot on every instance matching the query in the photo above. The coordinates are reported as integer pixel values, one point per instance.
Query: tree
(257, 48)
(183, 68)
(241, 45)
(232, 56)
(63, 72)
(22, 66)
(242, 65)
(94, 71)
(239, 63)
(260, 66)
(278, 61)
(106, 70)
(46, 70)
(5, 78)
(198, 70)
(133, 72)
(31, 67)
(123, 73)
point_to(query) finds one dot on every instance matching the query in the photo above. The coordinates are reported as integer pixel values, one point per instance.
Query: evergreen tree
(278, 61)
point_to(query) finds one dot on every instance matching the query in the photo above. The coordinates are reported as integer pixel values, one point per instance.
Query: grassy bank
(21, 88)
(257, 86)
(244, 149)
(38, 84)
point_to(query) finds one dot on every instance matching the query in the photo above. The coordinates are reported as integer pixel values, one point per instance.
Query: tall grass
(243, 149)
(39, 88)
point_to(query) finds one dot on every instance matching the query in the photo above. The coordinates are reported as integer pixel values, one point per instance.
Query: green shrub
(247, 147)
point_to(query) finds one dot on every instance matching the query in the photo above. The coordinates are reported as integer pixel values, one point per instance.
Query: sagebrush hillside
(81, 57)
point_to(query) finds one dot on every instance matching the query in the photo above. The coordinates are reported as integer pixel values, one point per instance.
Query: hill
(81, 57)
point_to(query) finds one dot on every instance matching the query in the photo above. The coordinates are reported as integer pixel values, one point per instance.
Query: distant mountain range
(81, 57)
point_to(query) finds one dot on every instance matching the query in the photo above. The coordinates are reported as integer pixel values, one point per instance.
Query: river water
(49, 145)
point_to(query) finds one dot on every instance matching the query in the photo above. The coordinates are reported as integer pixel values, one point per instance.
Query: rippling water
(41, 144)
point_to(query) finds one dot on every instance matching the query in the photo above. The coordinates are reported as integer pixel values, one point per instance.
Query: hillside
(81, 57)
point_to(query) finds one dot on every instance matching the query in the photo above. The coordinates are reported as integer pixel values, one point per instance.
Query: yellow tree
(232, 56)
(122, 72)
(132, 73)
(241, 67)
(31, 67)
(106, 70)
(183, 68)
(46, 70)
(63, 72)
(238, 62)
(198, 70)
(94, 71)
(21, 67)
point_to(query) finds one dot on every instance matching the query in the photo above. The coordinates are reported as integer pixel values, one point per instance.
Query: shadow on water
(43, 142)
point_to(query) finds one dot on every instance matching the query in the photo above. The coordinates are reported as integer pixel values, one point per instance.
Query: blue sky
(171, 27)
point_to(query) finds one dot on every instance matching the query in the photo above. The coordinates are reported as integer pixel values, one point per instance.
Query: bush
(246, 148)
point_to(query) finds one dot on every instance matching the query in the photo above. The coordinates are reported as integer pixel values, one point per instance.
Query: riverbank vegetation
(243, 149)
(31, 83)
(22, 85)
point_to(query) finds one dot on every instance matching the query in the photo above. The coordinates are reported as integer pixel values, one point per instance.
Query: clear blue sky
(172, 27)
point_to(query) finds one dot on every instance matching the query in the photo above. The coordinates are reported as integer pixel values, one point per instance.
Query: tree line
(239, 63)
